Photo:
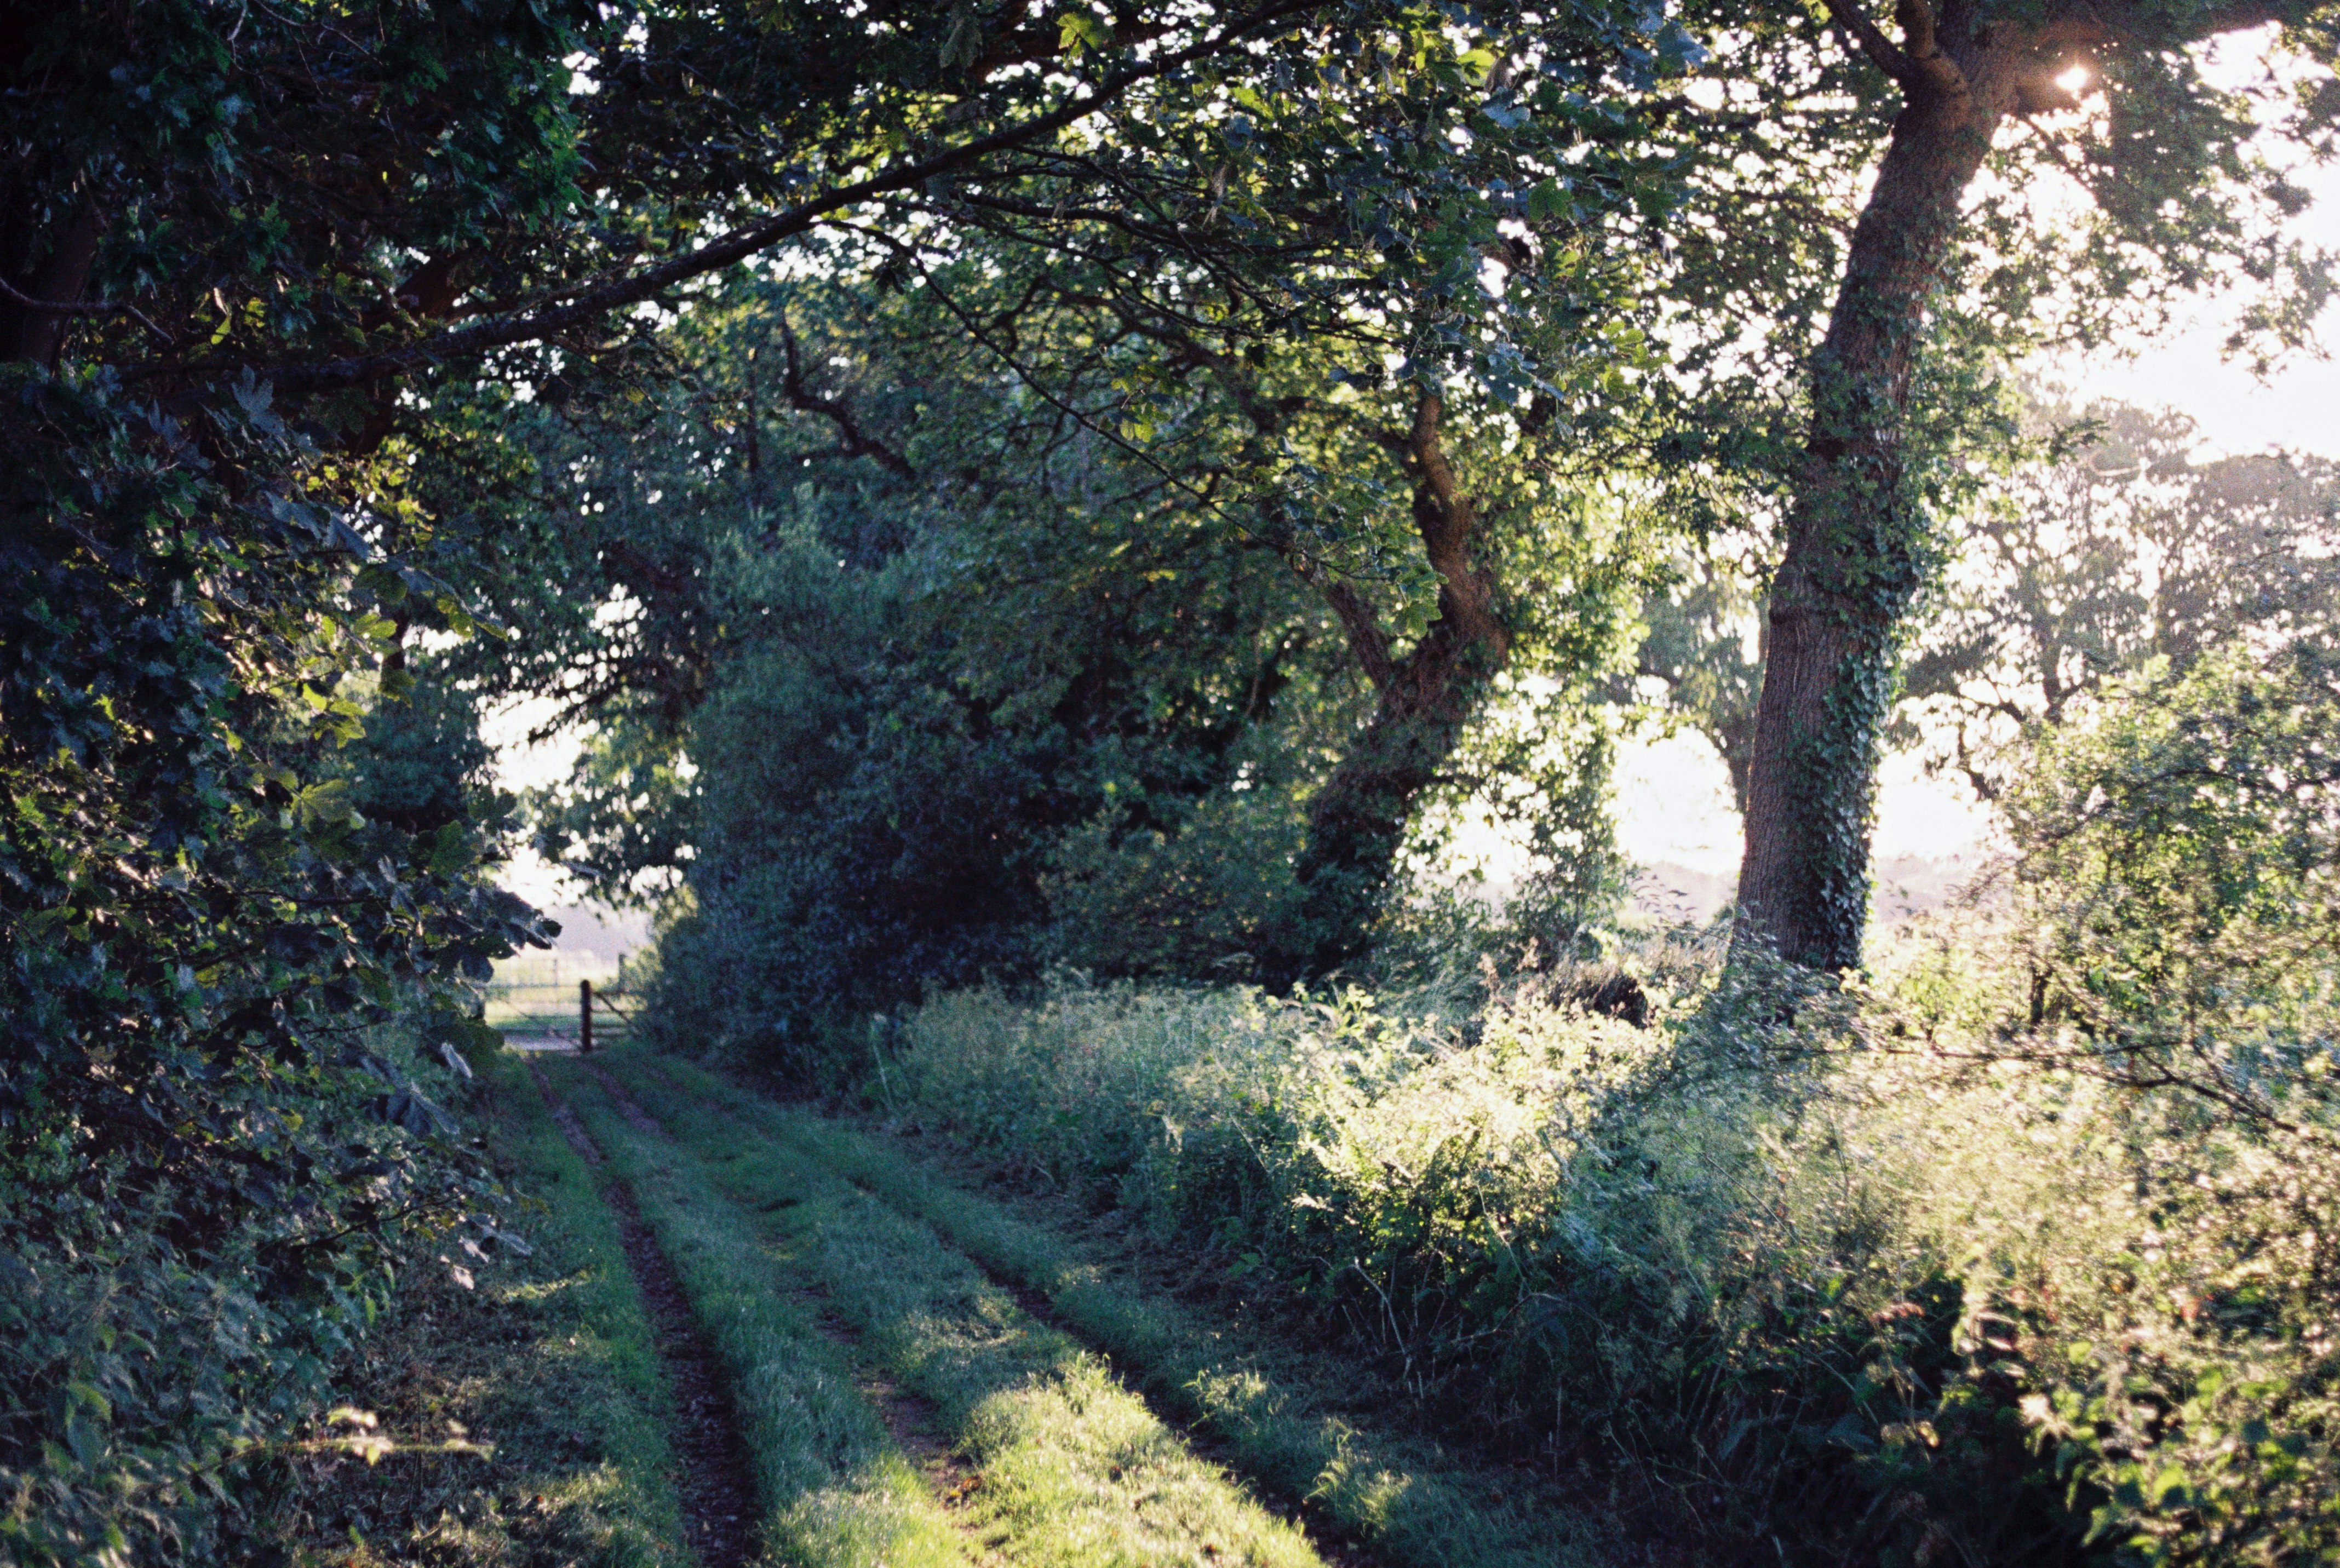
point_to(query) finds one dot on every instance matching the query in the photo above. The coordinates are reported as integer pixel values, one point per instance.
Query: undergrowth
(154, 1359)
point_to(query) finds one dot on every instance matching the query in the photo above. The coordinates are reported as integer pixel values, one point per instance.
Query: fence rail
(583, 1014)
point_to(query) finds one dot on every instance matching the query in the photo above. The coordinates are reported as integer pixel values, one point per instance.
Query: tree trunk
(1357, 821)
(1857, 544)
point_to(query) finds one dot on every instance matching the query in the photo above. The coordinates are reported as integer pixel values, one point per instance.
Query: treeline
(1006, 488)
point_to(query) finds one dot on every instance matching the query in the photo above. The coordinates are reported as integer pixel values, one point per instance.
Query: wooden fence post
(585, 1017)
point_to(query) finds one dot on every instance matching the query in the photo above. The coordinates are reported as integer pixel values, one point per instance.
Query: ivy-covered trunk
(1856, 543)
(1357, 821)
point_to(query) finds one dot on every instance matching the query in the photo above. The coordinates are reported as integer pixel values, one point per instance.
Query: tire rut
(716, 1485)
(1338, 1548)
(908, 1419)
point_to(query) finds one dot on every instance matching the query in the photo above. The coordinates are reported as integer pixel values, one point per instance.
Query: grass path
(857, 1338)
(833, 1487)
(930, 1273)
(711, 1472)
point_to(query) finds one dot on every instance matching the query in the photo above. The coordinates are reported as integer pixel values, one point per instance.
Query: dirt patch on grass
(716, 1485)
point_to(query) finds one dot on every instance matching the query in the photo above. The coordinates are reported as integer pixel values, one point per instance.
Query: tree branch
(82, 308)
(750, 239)
(852, 441)
(1447, 519)
(1366, 638)
(1871, 41)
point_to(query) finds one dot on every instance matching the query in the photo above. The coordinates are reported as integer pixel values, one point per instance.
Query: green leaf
(1079, 32)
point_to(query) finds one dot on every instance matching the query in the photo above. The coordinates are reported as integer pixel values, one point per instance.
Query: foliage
(2110, 548)
(152, 1379)
(1882, 211)
(2095, 544)
(946, 685)
(1212, 316)
(2178, 879)
(231, 992)
(1696, 628)
(962, 472)
(279, 279)
(217, 897)
(2022, 1246)
(941, 703)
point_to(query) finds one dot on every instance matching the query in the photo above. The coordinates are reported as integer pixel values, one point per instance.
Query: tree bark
(1357, 821)
(1855, 545)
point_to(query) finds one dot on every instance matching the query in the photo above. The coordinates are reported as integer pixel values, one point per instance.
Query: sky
(1674, 798)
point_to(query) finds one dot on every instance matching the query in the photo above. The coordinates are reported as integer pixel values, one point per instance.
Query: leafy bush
(147, 1378)
(217, 891)
(911, 776)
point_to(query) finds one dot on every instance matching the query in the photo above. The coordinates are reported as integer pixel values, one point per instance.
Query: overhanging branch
(615, 293)
(1871, 41)
(852, 441)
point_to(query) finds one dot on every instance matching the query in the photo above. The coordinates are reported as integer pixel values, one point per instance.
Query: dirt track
(715, 1485)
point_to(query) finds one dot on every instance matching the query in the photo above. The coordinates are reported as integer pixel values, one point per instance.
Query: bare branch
(82, 308)
(1872, 41)
(852, 441)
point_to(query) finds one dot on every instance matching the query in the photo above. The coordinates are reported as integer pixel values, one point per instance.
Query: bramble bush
(2021, 1244)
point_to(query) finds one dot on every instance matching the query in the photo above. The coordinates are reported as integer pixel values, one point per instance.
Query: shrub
(145, 1378)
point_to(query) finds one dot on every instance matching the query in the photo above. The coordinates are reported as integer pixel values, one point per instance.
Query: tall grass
(1857, 1281)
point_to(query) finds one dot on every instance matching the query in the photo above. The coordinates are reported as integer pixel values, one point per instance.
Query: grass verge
(1070, 1469)
(1409, 1503)
(520, 1410)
